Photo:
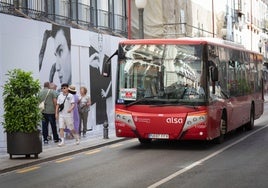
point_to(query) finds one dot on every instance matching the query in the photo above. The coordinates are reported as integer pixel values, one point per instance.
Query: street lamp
(140, 4)
(213, 18)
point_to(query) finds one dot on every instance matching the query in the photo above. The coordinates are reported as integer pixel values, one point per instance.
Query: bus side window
(232, 78)
(223, 80)
(213, 72)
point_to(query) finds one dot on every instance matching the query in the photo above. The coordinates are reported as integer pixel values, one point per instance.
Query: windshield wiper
(190, 104)
(139, 100)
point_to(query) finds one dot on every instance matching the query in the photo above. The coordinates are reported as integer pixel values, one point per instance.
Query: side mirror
(121, 53)
(106, 71)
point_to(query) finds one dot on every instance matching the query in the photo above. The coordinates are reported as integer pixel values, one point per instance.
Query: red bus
(186, 89)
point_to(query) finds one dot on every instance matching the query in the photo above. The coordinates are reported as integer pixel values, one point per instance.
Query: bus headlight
(194, 119)
(125, 118)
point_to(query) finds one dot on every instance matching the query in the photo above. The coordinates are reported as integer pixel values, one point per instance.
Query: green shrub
(20, 94)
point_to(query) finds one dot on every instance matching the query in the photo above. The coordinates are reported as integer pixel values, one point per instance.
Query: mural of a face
(63, 57)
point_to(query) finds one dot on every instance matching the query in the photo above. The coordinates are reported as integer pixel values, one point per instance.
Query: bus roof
(186, 40)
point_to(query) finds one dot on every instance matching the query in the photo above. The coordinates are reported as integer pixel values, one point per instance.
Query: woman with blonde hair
(83, 107)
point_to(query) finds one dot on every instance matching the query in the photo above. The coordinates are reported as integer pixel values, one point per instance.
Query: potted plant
(21, 114)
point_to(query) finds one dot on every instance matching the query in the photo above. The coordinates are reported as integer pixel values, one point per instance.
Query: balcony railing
(82, 14)
(119, 23)
(65, 13)
(103, 19)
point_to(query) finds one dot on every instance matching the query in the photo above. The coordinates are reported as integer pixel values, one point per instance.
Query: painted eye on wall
(59, 51)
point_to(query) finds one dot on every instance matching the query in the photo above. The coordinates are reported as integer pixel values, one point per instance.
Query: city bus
(185, 89)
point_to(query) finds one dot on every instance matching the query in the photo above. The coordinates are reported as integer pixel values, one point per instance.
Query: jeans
(49, 118)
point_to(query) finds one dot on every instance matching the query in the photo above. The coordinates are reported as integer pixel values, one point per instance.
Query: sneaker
(61, 144)
(77, 142)
(45, 141)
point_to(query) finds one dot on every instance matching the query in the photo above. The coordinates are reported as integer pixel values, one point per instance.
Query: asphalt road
(241, 161)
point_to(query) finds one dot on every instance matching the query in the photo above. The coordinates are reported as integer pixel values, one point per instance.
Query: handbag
(42, 104)
(83, 109)
(61, 106)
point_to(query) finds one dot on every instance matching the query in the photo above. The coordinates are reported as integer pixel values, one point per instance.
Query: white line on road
(164, 180)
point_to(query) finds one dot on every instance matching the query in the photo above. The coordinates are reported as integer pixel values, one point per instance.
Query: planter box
(24, 144)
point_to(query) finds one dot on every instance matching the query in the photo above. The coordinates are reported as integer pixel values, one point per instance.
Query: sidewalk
(53, 151)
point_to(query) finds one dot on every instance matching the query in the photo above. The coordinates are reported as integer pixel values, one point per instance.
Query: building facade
(99, 16)
(240, 21)
(64, 41)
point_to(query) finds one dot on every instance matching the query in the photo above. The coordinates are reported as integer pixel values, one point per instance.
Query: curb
(38, 161)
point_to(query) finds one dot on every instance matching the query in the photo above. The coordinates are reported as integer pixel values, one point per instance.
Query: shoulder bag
(61, 106)
(42, 104)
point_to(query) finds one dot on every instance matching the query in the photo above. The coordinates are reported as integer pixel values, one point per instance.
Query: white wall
(20, 43)
(2, 138)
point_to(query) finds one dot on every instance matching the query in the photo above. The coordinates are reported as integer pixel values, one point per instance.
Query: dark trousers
(83, 120)
(49, 118)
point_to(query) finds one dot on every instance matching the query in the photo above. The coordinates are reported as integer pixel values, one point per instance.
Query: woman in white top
(83, 107)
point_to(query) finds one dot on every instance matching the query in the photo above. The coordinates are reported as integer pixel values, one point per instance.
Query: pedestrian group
(65, 108)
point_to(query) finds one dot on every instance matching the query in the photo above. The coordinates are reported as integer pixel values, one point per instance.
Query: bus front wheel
(250, 125)
(223, 128)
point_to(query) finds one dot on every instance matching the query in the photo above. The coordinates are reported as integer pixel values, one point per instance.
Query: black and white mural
(61, 55)
(55, 57)
(62, 59)
(100, 87)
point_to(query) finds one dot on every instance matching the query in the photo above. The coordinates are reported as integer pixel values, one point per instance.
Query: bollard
(105, 130)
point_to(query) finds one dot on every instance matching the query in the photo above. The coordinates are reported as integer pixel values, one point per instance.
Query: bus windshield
(164, 74)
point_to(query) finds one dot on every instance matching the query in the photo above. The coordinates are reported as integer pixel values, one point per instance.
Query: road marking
(64, 160)
(179, 172)
(115, 145)
(28, 169)
(92, 152)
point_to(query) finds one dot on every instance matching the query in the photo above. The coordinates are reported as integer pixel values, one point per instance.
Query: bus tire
(145, 140)
(223, 128)
(250, 125)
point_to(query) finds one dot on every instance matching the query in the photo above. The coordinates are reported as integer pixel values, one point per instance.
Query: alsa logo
(174, 120)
